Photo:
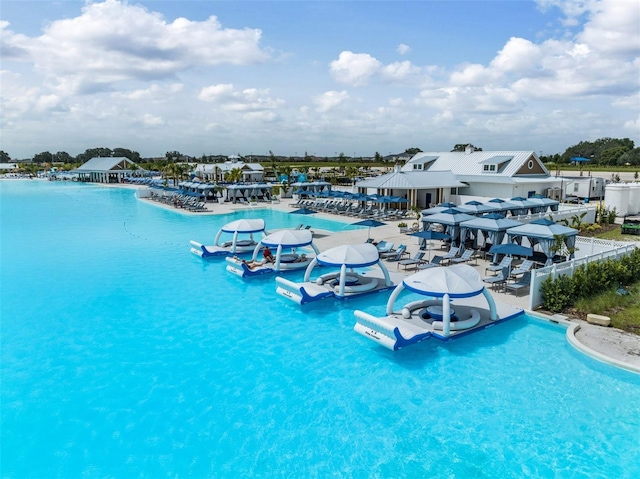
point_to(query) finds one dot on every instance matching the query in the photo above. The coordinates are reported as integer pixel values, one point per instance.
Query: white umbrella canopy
(458, 281)
(288, 238)
(244, 226)
(352, 256)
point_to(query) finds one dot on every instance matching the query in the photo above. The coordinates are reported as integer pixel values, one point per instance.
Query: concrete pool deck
(605, 342)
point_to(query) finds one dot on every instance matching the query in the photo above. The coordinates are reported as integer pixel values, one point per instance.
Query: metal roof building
(106, 170)
(434, 177)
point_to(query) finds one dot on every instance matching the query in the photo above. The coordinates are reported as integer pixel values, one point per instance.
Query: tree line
(604, 151)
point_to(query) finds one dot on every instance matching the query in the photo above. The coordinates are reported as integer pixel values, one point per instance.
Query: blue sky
(205, 77)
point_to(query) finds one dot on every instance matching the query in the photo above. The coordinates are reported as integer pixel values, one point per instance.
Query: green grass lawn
(624, 310)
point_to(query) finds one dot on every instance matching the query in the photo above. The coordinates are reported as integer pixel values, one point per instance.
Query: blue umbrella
(302, 211)
(370, 223)
(510, 249)
(429, 235)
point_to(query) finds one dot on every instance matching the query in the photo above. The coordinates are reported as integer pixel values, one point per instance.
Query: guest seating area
(356, 210)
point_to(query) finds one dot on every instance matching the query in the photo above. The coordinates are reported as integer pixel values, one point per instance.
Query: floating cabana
(286, 244)
(456, 303)
(347, 282)
(242, 239)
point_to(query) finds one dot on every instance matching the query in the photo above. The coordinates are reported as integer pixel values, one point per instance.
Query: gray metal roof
(104, 164)
(461, 163)
(412, 180)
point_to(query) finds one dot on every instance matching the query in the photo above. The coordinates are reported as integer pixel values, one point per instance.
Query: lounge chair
(384, 246)
(453, 252)
(415, 261)
(498, 280)
(466, 256)
(523, 283)
(435, 261)
(505, 263)
(525, 267)
(395, 255)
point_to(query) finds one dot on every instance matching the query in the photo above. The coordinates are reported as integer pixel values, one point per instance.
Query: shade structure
(511, 249)
(475, 207)
(580, 159)
(521, 205)
(440, 208)
(502, 204)
(302, 211)
(544, 232)
(492, 225)
(458, 281)
(352, 256)
(544, 203)
(430, 235)
(288, 239)
(370, 223)
(451, 219)
(244, 226)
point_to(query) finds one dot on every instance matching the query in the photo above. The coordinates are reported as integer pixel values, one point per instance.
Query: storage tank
(634, 198)
(616, 195)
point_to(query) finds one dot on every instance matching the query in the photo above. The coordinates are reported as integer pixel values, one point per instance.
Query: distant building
(107, 170)
(434, 177)
(8, 166)
(217, 172)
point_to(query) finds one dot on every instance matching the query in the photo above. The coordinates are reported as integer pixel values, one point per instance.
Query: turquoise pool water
(123, 355)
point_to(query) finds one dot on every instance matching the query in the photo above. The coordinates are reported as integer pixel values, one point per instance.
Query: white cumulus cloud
(329, 100)
(114, 41)
(354, 68)
(403, 49)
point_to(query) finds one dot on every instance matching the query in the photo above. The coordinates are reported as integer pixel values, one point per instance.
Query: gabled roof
(106, 164)
(412, 180)
(467, 164)
(230, 165)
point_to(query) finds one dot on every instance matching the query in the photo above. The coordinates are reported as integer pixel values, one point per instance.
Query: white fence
(596, 249)
(563, 212)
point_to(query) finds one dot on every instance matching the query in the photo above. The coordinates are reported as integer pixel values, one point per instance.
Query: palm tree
(234, 176)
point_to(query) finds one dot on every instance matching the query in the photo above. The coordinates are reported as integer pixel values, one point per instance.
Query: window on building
(576, 186)
(489, 167)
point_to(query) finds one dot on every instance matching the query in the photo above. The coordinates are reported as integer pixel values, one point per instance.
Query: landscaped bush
(589, 280)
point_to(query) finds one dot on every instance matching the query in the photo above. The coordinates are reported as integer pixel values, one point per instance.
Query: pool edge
(572, 328)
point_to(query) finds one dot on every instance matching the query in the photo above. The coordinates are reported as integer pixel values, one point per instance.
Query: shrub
(589, 280)
(557, 293)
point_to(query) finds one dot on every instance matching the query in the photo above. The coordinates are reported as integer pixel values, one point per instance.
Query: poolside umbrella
(429, 235)
(370, 223)
(511, 249)
(303, 211)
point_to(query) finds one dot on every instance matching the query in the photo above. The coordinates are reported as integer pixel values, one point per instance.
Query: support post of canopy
(446, 315)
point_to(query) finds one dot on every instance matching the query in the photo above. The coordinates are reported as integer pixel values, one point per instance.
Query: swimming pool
(124, 355)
